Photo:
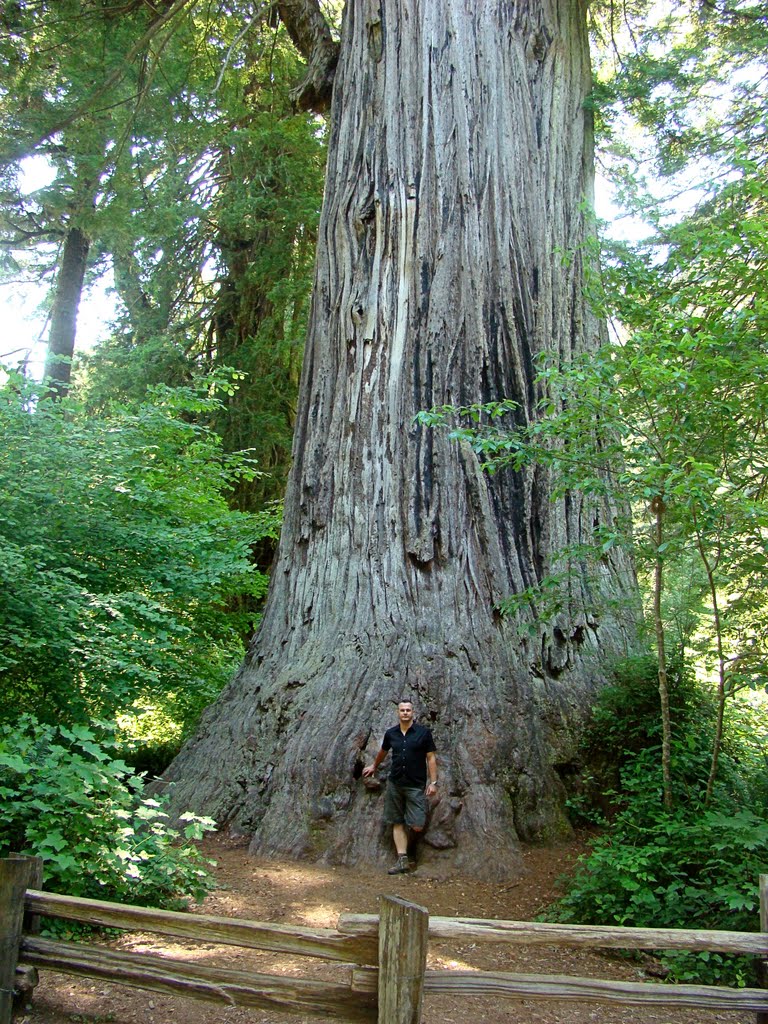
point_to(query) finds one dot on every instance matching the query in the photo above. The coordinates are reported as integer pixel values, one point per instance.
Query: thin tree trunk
(717, 742)
(66, 302)
(460, 160)
(657, 507)
(137, 303)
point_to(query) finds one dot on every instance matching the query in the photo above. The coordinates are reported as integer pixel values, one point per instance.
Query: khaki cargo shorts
(405, 805)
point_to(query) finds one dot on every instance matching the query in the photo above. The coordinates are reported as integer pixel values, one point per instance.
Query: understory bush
(696, 866)
(69, 800)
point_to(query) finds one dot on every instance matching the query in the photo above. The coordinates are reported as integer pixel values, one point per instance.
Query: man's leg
(400, 836)
(402, 864)
(415, 817)
(413, 844)
(394, 810)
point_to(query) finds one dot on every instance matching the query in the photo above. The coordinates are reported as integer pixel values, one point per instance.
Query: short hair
(406, 700)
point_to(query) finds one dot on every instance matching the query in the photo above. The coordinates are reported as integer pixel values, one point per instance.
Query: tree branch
(311, 35)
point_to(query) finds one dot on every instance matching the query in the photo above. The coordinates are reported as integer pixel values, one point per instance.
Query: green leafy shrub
(681, 870)
(696, 866)
(69, 800)
(626, 722)
(626, 717)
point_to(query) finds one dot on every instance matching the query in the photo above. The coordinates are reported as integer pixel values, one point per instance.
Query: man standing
(405, 804)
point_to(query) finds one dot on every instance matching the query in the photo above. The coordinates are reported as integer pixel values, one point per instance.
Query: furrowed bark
(459, 167)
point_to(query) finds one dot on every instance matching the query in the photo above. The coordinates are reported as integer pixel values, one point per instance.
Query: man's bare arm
(371, 768)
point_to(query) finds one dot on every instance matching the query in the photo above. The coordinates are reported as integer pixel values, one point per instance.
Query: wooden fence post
(762, 966)
(27, 978)
(14, 879)
(403, 929)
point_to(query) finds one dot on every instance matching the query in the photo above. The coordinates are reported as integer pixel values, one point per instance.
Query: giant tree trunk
(460, 161)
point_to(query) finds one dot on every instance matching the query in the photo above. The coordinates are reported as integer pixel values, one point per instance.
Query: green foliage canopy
(196, 186)
(119, 555)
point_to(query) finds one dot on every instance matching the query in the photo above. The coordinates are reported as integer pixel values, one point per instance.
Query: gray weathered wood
(531, 986)
(452, 253)
(27, 978)
(35, 881)
(214, 984)
(365, 979)
(402, 960)
(525, 933)
(14, 876)
(320, 942)
(588, 990)
(762, 967)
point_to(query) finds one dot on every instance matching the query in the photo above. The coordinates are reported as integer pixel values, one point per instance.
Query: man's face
(405, 712)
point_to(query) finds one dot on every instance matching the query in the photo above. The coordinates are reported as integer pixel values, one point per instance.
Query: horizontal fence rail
(213, 984)
(591, 990)
(544, 987)
(319, 942)
(532, 933)
(386, 955)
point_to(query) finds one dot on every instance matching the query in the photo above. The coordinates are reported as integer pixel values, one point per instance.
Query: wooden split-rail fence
(386, 957)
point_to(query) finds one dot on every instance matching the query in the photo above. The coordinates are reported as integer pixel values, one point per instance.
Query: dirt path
(306, 894)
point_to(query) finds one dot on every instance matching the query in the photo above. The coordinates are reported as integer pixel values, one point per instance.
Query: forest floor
(297, 893)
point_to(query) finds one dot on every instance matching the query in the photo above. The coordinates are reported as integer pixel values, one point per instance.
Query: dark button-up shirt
(409, 754)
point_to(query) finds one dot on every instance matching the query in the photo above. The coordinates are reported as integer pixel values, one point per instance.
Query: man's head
(405, 712)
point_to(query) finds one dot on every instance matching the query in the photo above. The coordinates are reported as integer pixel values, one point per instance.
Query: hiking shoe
(401, 866)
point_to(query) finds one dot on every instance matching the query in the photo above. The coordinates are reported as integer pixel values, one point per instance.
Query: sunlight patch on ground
(321, 916)
(438, 963)
(171, 950)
